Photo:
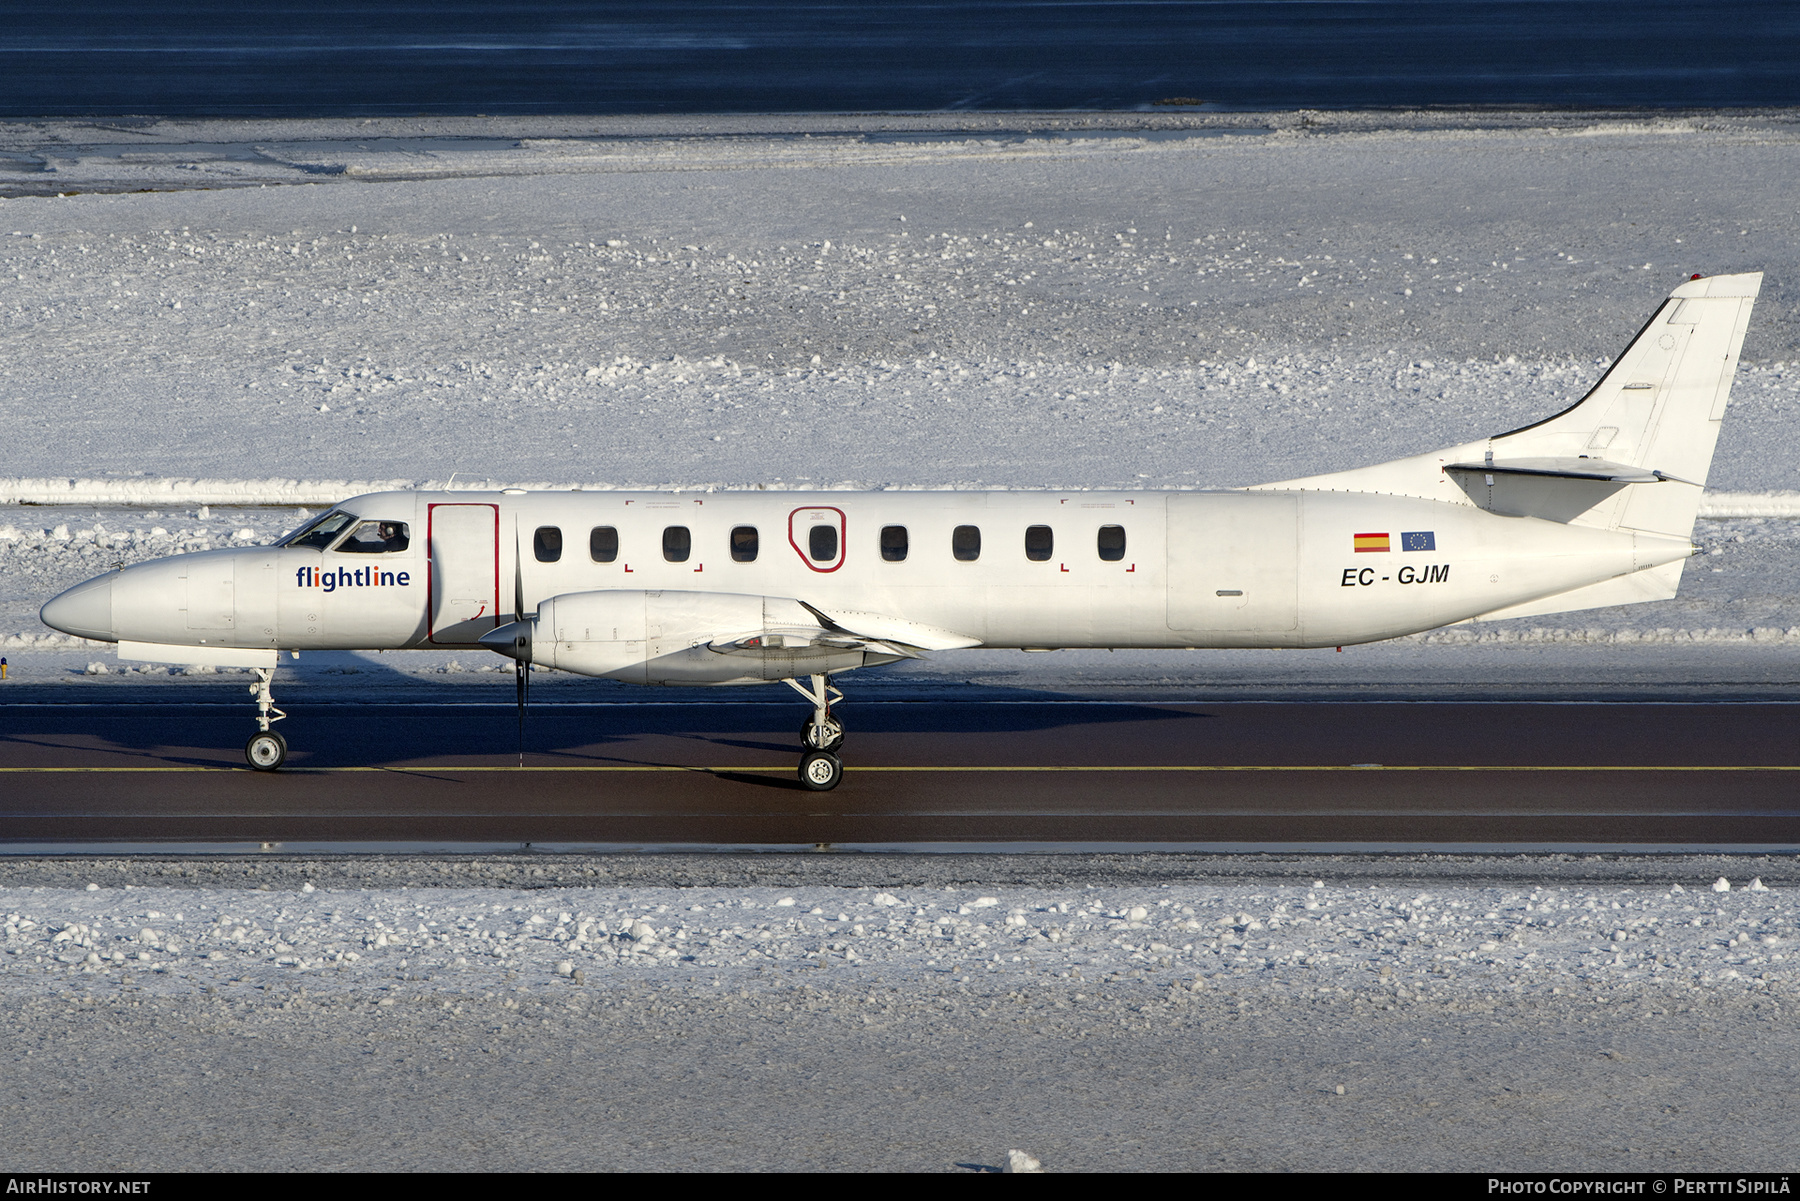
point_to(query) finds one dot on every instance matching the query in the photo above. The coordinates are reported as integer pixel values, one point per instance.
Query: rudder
(1633, 453)
(1657, 409)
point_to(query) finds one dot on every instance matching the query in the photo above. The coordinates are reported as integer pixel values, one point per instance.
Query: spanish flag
(1369, 542)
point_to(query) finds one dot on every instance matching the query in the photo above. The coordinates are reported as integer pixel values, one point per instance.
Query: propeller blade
(521, 661)
(521, 685)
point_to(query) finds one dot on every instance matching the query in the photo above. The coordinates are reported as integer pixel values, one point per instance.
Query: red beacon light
(1696, 275)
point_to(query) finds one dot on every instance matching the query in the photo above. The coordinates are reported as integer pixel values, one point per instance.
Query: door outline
(431, 567)
(1238, 547)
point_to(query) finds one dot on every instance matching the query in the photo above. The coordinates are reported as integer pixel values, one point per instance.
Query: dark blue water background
(208, 57)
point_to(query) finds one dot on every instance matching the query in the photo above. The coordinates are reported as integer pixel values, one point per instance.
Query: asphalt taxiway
(1360, 774)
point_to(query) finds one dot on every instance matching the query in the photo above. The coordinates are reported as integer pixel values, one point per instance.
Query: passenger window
(822, 543)
(376, 538)
(1038, 542)
(743, 544)
(603, 544)
(965, 543)
(1112, 543)
(893, 543)
(546, 544)
(676, 543)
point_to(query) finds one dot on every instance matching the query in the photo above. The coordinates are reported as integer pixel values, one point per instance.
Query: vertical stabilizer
(1657, 409)
(1632, 454)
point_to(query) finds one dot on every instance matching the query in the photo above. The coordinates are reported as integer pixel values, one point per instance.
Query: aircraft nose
(86, 610)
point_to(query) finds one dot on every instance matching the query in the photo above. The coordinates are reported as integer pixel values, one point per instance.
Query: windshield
(319, 532)
(376, 538)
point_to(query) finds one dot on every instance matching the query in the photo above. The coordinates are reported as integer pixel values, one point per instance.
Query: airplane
(1594, 506)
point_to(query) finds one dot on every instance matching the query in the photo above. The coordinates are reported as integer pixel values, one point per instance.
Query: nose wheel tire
(828, 737)
(820, 771)
(266, 751)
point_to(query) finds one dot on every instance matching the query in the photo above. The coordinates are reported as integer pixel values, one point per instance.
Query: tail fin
(1631, 454)
(1658, 409)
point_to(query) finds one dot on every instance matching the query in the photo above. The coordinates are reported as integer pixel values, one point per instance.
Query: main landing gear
(266, 750)
(821, 735)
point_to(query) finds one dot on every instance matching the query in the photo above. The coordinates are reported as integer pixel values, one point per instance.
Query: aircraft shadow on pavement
(601, 734)
(341, 732)
(763, 780)
(67, 746)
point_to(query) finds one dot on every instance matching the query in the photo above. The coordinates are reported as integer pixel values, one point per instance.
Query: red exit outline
(843, 537)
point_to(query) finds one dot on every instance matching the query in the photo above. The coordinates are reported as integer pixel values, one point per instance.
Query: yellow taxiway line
(601, 768)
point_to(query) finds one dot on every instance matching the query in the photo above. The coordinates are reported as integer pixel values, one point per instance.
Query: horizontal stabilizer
(1579, 468)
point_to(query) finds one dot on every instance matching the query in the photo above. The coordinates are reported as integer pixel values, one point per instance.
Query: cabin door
(465, 572)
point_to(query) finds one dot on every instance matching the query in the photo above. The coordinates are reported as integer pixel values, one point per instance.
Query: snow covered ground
(1046, 311)
(919, 1027)
(1402, 940)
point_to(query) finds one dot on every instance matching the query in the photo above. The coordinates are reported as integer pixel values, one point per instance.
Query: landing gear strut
(821, 735)
(266, 750)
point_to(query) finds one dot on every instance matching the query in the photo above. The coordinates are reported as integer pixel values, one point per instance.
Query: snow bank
(148, 492)
(49, 640)
(1399, 944)
(1750, 504)
(1758, 635)
(152, 492)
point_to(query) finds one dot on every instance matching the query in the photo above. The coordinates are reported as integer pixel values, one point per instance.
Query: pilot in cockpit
(376, 538)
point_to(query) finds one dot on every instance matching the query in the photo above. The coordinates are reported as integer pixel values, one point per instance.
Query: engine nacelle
(682, 638)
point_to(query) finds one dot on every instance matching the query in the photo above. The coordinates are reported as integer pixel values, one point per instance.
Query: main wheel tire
(266, 751)
(834, 736)
(820, 771)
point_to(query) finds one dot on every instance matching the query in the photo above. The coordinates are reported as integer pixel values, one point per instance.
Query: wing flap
(879, 627)
(762, 641)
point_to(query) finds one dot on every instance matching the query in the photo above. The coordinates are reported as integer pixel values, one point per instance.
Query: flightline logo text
(345, 577)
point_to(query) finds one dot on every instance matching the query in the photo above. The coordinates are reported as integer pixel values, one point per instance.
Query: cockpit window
(321, 531)
(376, 538)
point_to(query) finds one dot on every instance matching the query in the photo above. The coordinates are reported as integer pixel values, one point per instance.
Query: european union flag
(1418, 540)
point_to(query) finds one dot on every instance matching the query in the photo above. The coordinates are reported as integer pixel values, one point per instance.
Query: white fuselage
(1187, 569)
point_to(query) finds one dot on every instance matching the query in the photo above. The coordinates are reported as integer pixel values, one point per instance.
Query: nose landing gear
(822, 734)
(266, 750)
